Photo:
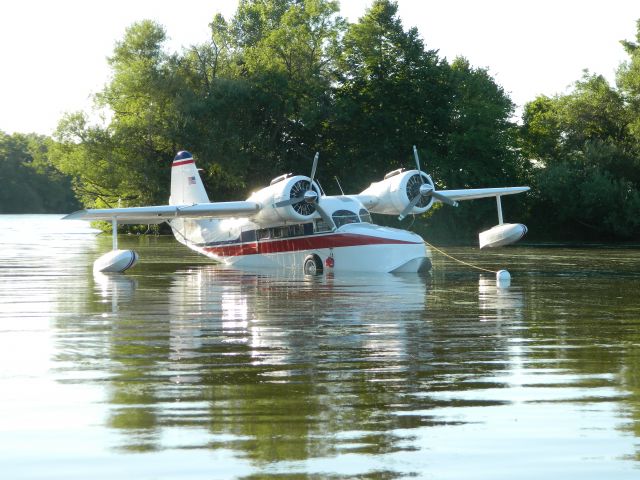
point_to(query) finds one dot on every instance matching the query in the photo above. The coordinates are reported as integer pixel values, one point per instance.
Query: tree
(246, 103)
(128, 160)
(628, 81)
(481, 140)
(278, 81)
(29, 182)
(586, 145)
(286, 50)
(393, 92)
(560, 127)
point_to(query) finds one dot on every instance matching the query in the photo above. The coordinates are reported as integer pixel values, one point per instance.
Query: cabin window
(365, 216)
(342, 217)
(307, 229)
(248, 236)
(322, 226)
(295, 230)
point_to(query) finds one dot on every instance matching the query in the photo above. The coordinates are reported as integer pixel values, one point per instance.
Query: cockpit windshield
(365, 216)
(342, 217)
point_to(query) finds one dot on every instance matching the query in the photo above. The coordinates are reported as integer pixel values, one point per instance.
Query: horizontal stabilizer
(162, 213)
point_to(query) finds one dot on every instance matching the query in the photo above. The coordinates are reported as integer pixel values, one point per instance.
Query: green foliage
(559, 127)
(29, 183)
(278, 81)
(282, 79)
(586, 202)
(587, 148)
(127, 162)
(628, 80)
(393, 92)
(481, 133)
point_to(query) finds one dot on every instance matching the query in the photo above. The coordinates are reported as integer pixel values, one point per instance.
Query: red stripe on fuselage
(301, 243)
(183, 162)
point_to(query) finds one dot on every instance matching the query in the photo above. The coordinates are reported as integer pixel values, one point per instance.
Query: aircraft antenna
(321, 189)
(339, 186)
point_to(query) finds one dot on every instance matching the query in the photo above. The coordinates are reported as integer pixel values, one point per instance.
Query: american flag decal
(192, 180)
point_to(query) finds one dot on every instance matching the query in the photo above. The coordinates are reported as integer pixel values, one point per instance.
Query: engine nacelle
(397, 190)
(284, 188)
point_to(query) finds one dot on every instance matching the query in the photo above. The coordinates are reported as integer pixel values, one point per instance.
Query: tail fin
(186, 184)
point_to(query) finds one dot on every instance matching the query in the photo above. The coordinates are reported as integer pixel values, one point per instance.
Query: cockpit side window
(342, 217)
(365, 216)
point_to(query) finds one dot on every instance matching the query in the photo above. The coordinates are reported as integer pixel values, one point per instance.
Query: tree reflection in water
(291, 373)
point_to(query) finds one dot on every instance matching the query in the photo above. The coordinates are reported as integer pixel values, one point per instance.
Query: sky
(53, 52)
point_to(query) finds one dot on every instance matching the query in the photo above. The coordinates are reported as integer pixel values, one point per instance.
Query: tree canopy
(282, 79)
(29, 184)
(587, 147)
(278, 81)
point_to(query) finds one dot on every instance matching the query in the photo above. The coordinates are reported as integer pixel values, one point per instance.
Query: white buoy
(503, 279)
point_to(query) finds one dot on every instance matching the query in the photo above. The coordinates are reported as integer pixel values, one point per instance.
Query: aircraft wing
(474, 193)
(162, 213)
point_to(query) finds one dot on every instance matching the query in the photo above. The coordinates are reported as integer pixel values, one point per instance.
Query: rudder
(186, 185)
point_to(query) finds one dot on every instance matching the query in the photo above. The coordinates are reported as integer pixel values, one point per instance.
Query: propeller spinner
(310, 197)
(424, 191)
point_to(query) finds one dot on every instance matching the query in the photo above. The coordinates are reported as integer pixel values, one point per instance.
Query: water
(180, 369)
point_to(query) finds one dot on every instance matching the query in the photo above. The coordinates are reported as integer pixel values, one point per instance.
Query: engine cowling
(396, 191)
(284, 188)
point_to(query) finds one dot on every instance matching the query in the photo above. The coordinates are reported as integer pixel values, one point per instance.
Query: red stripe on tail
(183, 162)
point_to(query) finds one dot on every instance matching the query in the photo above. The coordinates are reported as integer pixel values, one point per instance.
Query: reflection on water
(185, 369)
(279, 359)
(502, 304)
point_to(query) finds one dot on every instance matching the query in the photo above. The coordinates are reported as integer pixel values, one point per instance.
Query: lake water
(180, 369)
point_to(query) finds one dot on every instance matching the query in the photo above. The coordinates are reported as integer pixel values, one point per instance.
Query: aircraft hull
(351, 248)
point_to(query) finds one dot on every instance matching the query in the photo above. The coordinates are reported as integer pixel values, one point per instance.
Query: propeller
(425, 190)
(310, 197)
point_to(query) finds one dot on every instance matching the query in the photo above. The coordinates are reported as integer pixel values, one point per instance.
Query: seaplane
(293, 224)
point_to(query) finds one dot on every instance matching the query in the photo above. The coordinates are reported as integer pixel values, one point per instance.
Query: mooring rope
(460, 261)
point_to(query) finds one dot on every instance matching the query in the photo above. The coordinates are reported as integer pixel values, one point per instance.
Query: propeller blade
(313, 169)
(444, 199)
(415, 155)
(291, 201)
(409, 207)
(325, 216)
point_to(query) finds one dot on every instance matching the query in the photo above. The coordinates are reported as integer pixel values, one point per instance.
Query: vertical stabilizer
(186, 184)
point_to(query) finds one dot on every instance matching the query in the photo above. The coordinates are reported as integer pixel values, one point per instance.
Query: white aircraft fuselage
(360, 246)
(292, 224)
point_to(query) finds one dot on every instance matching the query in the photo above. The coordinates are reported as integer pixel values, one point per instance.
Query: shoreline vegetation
(282, 79)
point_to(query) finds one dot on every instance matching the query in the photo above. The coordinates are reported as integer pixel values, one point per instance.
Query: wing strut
(114, 234)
